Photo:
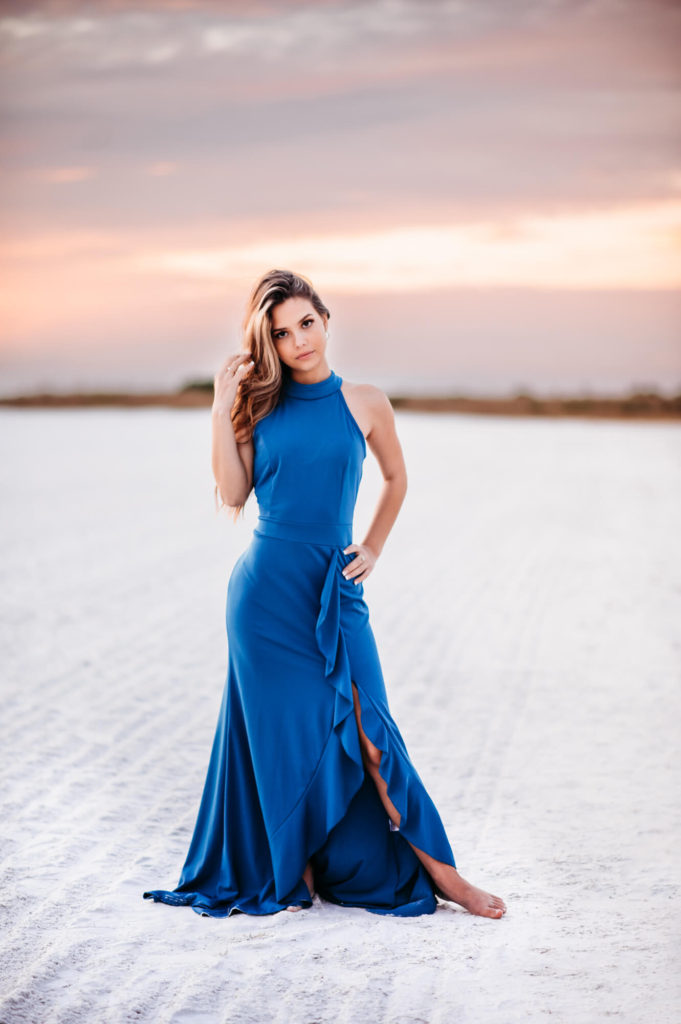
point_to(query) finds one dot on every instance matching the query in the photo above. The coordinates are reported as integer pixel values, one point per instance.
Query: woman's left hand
(361, 566)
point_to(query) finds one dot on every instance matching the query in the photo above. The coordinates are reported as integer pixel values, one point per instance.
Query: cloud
(493, 34)
(162, 53)
(613, 248)
(64, 175)
(23, 28)
(162, 169)
(157, 155)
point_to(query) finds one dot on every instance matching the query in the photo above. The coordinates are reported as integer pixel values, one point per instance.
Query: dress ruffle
(338, 803)
(420, 822)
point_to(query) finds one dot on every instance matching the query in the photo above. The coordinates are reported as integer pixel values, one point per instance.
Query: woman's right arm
(232, 461)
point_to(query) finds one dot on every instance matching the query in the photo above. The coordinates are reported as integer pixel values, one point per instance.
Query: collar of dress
(320, 389)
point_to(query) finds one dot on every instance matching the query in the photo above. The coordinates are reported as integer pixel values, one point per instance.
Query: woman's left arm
(384, 443)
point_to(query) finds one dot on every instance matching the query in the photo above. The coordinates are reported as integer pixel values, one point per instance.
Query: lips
(303, 354)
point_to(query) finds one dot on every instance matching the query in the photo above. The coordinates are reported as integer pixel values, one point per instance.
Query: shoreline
(642, 405)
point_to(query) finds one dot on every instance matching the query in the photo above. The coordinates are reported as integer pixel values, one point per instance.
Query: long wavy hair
(258, 393)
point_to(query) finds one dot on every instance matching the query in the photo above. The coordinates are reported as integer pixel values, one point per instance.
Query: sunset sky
(486, 193)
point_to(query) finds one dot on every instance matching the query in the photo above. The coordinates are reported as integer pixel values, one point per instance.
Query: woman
(309, 784)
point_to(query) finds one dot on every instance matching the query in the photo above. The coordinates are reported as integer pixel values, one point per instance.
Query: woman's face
(299, 335)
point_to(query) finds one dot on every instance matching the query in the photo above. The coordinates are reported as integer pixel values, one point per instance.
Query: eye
(308, 321)
(277, 335)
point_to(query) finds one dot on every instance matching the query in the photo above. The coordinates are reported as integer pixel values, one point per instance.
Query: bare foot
(474, 900)
(308, 878)
(449, 885)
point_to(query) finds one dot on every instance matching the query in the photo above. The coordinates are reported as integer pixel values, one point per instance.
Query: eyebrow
(305, 317)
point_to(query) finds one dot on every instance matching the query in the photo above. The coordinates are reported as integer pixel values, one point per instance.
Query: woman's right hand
(227, 379)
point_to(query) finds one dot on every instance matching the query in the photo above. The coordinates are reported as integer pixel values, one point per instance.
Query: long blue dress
(286, 782)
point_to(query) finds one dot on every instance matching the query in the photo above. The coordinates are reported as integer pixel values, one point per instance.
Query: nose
(300, 340)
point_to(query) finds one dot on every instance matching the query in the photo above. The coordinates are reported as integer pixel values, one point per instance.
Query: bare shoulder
(368, 396)
(368, 404)
(368, 391)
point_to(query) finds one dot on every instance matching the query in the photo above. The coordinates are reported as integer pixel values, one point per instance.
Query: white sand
(527, 609)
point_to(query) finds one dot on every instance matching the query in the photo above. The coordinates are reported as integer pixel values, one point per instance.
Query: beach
(527, 611)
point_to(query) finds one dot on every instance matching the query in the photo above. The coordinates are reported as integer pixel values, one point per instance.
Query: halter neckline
(319, 389)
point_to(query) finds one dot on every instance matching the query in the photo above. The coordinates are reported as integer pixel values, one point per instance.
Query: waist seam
(324, 534)
(301, 522)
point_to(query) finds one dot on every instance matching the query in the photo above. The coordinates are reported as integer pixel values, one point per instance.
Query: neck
(312, 376)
